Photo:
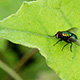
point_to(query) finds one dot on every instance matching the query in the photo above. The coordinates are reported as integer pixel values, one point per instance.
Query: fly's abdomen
(74, 36)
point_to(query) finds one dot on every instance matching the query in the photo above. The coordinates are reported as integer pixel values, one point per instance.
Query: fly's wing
(73, 30)
(77, 42)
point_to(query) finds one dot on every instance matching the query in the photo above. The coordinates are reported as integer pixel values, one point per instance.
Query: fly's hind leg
(66, 45)
(71, 46)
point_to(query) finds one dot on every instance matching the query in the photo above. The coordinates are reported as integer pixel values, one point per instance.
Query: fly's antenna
(51, 36)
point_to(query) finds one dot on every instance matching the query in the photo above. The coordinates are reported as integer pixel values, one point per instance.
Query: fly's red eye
(59, 34)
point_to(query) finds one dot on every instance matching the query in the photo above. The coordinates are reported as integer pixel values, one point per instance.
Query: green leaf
(7, 7)
(32, 24)
(38, 70)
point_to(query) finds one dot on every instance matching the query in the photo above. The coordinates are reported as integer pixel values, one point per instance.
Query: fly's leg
(57, 42)
(71, 46)
(64, 46)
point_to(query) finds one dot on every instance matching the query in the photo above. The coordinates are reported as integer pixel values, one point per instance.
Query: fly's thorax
(66, 34)
(59, 34)
(72, 37)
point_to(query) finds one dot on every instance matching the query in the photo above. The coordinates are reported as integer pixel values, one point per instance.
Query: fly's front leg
(57, 42)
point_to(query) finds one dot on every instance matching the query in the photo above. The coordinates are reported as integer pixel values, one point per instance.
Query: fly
(68, 36)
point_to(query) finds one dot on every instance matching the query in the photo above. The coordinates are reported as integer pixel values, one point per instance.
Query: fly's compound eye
(56, 35)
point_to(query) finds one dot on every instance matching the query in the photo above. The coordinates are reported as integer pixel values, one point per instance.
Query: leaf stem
(11, 72)
(25, 58)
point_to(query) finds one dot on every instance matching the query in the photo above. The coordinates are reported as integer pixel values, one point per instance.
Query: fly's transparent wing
(77, 42)
(73, 30)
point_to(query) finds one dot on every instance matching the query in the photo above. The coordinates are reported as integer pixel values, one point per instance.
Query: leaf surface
(32, 24)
